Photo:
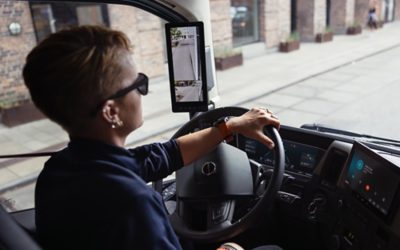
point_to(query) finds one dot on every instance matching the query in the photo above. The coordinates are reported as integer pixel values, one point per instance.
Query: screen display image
(372, 179)
(185, 48)
(186, 63)
(299, 158)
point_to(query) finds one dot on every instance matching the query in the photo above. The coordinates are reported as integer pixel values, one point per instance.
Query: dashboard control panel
(372, 179)
(299, 158)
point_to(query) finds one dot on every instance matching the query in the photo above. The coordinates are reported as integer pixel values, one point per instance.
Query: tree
(175, 33)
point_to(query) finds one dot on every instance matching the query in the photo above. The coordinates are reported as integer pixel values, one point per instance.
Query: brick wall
(284, 19)
(350, 12)
(277, 21)
(221, 23)
(305, 19)
(261, 20)
(379, 5)
(319, 17)
(361, 12)
(13, 50)
(342, 15)
(271, 13)
(397, 10)
(146, 33)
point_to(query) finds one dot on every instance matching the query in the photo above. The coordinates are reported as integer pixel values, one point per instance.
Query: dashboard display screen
(372, 178)
(299, 158)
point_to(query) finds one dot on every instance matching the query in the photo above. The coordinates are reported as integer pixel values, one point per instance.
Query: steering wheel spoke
(220, 214)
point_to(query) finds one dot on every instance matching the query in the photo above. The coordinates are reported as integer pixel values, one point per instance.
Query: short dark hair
(72, 69)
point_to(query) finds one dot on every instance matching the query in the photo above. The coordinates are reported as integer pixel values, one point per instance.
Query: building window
(245, 17)
(389, 7)
(51, 17)
(328, 13)
(293, 16)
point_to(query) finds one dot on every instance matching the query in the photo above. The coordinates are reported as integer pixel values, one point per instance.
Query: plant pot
(289, 46)
(380, 24)
(21, 114)
(223, 63)
(354, 30)
(324, 37)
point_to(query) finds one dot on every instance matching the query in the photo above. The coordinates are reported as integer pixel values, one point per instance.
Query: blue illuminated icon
(360, 164)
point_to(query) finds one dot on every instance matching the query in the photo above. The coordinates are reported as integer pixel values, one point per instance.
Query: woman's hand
(251, 125)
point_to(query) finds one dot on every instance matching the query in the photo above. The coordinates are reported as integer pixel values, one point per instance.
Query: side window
(23, 128)
(51, 17)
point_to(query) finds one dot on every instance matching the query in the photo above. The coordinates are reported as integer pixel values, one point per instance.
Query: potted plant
(291, 43)
(354, 29)
(325, 36)
(227, 57)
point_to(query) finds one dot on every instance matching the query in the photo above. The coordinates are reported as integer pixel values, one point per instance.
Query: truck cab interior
(320, 188)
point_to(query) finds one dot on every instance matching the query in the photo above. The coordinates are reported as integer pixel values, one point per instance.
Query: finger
(270, 120)
(265, 140)
(274, 116)
(264, 110)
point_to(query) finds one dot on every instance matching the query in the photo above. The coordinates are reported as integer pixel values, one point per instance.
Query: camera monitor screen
(186, 64)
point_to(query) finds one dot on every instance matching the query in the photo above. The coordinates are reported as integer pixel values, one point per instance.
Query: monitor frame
(388, 167)
(188, 106)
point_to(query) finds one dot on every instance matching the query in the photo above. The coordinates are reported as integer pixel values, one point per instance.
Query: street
(184, 61)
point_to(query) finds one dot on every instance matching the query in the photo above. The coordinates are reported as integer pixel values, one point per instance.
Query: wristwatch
(223, 128)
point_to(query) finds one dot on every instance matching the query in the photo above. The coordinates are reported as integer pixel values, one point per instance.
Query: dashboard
(337, 193)
(369, 177)
(345, 190)
(372, 179)
(299, 158)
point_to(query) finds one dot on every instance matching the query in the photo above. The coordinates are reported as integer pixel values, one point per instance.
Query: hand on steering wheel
(251, 124)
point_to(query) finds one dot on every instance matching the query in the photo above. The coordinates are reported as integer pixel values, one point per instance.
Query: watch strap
(223, 128)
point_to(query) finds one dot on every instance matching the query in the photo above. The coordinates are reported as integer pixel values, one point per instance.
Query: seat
(12, 236)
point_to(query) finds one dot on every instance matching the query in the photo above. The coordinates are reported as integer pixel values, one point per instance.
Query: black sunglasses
(141, 84)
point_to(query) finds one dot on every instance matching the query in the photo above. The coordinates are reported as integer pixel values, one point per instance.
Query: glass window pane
(244, 15)
(23, 129)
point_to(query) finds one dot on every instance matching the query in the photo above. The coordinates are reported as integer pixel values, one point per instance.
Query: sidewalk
(262, 80)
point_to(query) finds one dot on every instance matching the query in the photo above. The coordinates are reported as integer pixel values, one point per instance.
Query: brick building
(13, 49)
(235, 23)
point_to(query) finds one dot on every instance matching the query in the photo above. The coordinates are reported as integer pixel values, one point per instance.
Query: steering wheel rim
(228, 230)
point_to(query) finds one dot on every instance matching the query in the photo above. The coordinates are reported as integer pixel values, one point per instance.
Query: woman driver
(93, 194)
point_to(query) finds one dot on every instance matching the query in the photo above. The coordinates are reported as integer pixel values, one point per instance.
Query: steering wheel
(212, 186)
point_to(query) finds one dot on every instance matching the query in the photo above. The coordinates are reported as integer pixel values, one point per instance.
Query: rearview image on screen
(185, 48)
(186, 63)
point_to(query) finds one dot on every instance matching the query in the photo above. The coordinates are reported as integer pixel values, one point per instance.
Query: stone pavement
(307, 85)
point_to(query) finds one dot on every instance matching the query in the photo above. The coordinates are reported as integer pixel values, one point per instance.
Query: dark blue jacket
(92, 195)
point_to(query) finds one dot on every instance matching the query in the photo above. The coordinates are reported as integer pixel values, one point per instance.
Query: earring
(120, 123)
(117, 123)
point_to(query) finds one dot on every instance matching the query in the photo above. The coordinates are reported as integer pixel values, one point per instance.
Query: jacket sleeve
(158, 160)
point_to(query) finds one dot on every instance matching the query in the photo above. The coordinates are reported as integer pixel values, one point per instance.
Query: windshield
(319, 70)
